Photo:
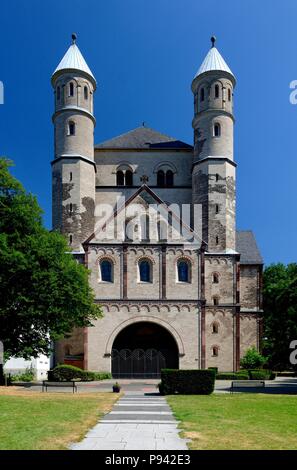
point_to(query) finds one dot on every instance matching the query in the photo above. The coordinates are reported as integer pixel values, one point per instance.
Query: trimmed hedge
(240, 375)
(257, 374)
(65, 372)
(262, 374)
(187, 382)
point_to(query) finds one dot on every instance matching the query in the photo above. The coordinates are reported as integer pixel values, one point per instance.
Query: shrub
(252, 359)
(262, 374)
(213, 368)
(187, 382)
(65, 372)
(26, 376)
(240, 375)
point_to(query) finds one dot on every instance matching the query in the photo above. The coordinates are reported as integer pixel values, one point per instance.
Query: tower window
(217, 177)
(71, 89)
(70, 208)
(86, 92)
(58, 93)
(229, 94)
(160, 178)
(202, 94)
(70, 239)
(217, 130)
(145, 271)
(217, 240)
(215, 278)
(183, 271)
(169, 178)
(217, 91)
(215, 328)
(106, 271)
(120, 178)
(71, 128)
(70, 176)
(215, 351)
(215, 300)
(129, 178)
(217, 208)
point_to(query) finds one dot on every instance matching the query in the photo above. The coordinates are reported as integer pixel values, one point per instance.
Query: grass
(38, 421)
(241, 421)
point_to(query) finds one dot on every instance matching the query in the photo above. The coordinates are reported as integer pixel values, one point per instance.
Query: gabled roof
(143, 138)
(74, 60)
(246, 245)
(148, 197)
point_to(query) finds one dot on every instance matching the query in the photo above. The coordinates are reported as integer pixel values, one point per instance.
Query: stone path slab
(136, 422)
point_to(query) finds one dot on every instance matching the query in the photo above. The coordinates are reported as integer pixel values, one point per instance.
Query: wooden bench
(51, 383)
(246, 384)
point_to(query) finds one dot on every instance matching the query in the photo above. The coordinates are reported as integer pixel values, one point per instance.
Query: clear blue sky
(144, 55)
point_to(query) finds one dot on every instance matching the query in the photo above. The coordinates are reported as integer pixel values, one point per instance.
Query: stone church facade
(153, 219)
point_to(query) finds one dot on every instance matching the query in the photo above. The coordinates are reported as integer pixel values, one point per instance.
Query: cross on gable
(144, 179)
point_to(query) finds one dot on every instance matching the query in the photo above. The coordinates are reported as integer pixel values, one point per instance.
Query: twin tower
(74, 168)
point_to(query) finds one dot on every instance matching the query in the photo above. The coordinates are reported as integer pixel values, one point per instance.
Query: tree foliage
(280, 313)
(44, 292)
(252, 359)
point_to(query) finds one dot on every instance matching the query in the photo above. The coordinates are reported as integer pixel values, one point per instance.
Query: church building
(154, 220)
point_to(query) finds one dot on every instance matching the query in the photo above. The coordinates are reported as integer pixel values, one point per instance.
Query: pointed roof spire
(73, 60)
(213, 61)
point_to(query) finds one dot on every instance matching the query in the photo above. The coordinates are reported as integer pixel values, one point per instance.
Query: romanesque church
(154, 220)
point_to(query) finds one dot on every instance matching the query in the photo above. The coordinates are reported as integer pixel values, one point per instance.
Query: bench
(246, 384)
(50, 383)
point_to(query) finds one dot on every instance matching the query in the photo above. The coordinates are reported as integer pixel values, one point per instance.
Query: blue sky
(144, 55)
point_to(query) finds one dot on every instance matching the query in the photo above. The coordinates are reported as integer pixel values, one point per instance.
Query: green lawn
(239, 421)
(31, 420)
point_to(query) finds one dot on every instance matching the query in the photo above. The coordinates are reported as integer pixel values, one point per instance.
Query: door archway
(141, 350)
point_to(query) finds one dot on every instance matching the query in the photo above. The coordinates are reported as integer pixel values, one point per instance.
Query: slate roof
(246, 245)
(213, 61)
(143, 138)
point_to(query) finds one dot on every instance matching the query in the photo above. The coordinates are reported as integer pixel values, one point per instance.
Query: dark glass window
(202, 94)
(215, 328)
(129, 178)
(183, 271)
(217, 130)
(120, 178)
(215, 351)
(217, 91)
(215, 278)
(145, 271)
(169, 178)
(229, 94)
(71, 89)
(160, 178)
(106, 271)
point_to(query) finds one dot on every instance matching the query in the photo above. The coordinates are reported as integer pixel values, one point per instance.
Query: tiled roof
(143, 138)
(246, 245)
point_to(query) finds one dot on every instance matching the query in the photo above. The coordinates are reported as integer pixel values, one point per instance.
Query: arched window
(202, 94)
(162, 228)
(183, 271)
(86, 92)
(169, 178)
(229, 94)
(217, 91)
(217, 208)
(70, 176)
(217, 177)
(217, 240)
(160, 178)
(129, 178)
(145, 274)
(215, 300)
(70, 239)
(215, 328)
(71, 89)
(215, 278)
(217, 129)
(120, 178)
(215, 351)
(106, 273)
(58, 93)
(71, 128)
(70, 208)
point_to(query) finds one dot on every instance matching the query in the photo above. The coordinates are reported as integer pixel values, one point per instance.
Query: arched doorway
(141, 350)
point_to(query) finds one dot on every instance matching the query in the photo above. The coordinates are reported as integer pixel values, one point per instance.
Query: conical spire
(73, 60)
(213, 62)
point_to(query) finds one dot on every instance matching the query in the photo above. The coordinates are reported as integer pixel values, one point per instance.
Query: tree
(280, 313)
(252, 359)
(44, 292)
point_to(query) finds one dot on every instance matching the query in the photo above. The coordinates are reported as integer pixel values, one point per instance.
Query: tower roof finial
(74, 38)
(213, 40)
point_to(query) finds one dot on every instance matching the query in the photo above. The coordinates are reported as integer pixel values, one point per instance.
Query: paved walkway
(138, 421)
